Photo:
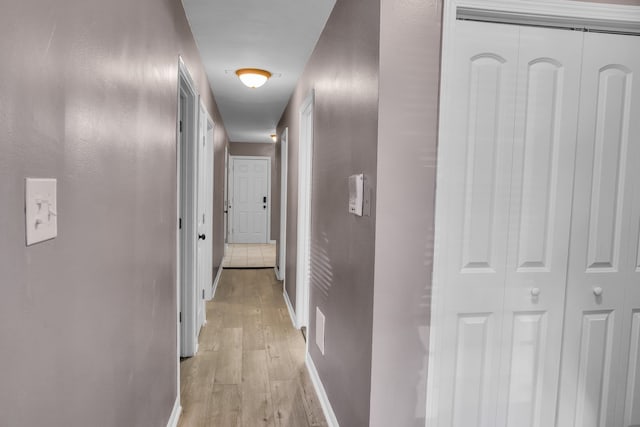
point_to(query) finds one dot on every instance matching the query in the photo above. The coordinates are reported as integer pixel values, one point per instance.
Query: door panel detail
(471, 368)
(542, 121)
(594, 369)
(527, 363)
(483, 129)
(611, 142)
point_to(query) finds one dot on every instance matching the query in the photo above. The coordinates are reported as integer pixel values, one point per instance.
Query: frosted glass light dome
(253, 77)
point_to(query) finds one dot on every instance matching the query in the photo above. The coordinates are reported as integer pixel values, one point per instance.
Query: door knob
(597, 291)
(535, 292)
(202, 236)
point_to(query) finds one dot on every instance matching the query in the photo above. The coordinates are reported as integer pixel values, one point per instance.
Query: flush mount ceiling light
(274, 137)
(253, 77)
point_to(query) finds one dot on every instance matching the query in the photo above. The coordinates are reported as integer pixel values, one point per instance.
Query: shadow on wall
(321, 272)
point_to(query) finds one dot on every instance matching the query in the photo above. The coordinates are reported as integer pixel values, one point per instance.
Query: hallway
(249, 369)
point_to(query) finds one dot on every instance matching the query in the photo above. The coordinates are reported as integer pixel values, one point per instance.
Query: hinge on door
(180, 125)
(180, 317)
(203, 294)
(180, 224)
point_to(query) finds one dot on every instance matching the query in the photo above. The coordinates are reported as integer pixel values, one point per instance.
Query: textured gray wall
(88, 95)
(408, 125)
(264, 150)
(344, 72)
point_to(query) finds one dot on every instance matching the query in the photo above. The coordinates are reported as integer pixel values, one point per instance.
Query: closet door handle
(535, 292)
(597, 291)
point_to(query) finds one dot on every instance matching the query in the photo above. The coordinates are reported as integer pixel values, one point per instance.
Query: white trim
(214, 286)
(330, 416)
(226, 200)
(292, 313)
(305, 178)
(174, 418)
(284, 184)
(276, 270)
(232, 158)
(560, 13)
(187, 238)
(272, 242)
(535, 11)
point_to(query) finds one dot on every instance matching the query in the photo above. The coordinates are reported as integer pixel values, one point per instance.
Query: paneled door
(505, 189)
(600, 385)
(474, 184)
(250, 200)
(539, 221)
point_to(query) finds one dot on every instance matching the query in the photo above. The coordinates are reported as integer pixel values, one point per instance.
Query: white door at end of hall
(250, 200)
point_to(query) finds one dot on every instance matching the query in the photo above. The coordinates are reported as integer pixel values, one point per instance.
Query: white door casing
(226, 199)
(187, 211)
(305, 174)
(284, 170)
(251, 199)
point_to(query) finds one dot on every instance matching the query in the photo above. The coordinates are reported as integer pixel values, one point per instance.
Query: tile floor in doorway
(250, 255)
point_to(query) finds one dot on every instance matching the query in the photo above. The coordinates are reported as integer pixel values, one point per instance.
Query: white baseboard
(278, 274)
(175, 414)
(292, 313)
(215, 282)
(332, 421)
(272, 242)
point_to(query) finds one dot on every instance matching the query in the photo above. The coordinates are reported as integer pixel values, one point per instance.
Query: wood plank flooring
(249, 370)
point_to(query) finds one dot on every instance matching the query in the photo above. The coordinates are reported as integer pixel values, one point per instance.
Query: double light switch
(41, 210)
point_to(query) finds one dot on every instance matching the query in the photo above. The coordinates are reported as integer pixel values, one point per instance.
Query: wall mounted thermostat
(356, 194)
(41, 210)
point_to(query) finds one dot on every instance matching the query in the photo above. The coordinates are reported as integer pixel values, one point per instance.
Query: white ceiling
(275, 35)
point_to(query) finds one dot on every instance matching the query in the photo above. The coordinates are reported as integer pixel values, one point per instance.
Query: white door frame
(305, 176)
(284, 170)
(231, 193)
(559, 13)
(226, 199)
(186, 206)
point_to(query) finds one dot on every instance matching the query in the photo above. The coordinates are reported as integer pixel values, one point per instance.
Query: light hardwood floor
(249, 370)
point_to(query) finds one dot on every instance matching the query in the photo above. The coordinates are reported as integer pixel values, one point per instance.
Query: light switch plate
(41, 209)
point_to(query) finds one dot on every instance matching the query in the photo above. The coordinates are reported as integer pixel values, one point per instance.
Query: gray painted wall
(408, 119)
(343, 70)
(88, 320)
(265, 150)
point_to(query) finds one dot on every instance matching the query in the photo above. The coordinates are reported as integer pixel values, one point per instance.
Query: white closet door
(599, 381)
(473, 188)
(539, 220)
